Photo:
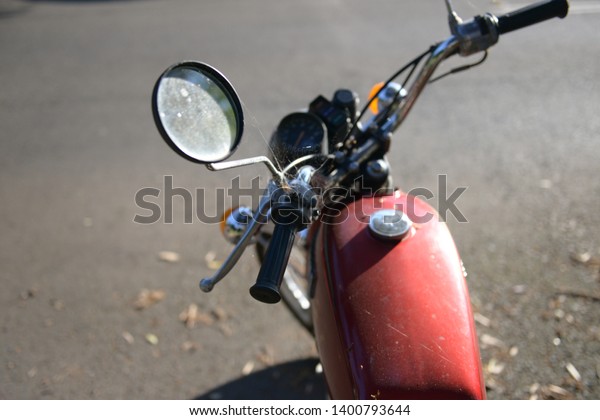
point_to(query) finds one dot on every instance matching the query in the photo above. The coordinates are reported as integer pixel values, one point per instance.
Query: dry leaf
(226, 330)
(494, 367)
(169, 256)
(586, 259)
(219, 313)
(147, 298)
(266, 356)
(210, 256)
(581, 258)
(534, 388)
(152, 339)
(556, 392)
(573, 372)
(248, 368)
(57, 304)
(192, 316)
(189, 315)
(481, 319)
(488, 340)
(319, 368)
(211, 260)
(128, 337)
(519, 289)
(579, 294)
(190, 346)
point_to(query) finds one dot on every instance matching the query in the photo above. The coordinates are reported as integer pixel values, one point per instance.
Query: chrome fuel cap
(389, 224)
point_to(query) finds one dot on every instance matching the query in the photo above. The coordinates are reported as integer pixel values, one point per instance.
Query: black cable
(388, 111)
(410, 73)
(414, 63)
(459, 69)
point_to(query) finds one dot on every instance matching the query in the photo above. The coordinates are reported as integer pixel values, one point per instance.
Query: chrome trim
(389, 224)
(442, 51)
(219, 166)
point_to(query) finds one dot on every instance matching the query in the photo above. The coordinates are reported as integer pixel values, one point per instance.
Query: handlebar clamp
(482, 32)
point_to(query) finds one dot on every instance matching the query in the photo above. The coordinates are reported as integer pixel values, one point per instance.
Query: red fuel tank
(393, 318)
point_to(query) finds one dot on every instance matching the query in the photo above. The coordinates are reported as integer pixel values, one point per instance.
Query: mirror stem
(219, 166)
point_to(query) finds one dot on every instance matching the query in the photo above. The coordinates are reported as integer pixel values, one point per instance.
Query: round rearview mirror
(197, 112)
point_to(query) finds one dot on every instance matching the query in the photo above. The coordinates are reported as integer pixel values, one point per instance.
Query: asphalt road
(78, 141)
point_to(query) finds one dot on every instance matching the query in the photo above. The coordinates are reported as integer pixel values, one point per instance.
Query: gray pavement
(77, 142)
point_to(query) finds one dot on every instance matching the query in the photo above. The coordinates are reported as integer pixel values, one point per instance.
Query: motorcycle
(369, 270)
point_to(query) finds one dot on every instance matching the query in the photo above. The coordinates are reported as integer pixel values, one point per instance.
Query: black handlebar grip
(535, 13)
(274, 264)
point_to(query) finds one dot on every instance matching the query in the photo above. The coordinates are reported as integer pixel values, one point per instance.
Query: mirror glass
(198, 112)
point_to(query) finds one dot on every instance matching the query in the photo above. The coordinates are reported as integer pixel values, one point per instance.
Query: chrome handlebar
(467, 38)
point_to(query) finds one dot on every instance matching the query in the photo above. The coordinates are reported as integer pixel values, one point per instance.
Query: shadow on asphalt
(296, 380)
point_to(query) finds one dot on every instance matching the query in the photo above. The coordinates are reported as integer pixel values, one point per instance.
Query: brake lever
(259, 219)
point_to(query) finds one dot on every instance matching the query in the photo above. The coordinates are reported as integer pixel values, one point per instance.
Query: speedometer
(298, 134)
